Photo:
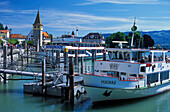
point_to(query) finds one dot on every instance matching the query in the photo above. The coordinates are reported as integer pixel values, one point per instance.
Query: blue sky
(103, 16)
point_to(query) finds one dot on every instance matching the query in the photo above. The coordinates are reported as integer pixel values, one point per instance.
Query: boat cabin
(146, 66)
(137, 55)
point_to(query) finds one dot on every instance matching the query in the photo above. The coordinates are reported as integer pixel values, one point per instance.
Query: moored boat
(129, 74)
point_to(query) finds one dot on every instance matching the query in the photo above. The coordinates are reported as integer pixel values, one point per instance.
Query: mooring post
(4, 61)
(58, 58)
(27, 55)
(65, 59)
(47, 53)
(95, 54)
(81, 65)
(71, 75)
(38, 46)
(52, 55)
(93, 57)
(43, 76)
(19, 54)
(104, 54)
(76, 60)
(11, 52)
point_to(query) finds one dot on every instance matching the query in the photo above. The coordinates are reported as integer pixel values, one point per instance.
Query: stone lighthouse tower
(37, 31)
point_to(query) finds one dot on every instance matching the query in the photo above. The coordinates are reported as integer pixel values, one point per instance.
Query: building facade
(5, 34)
(45, 37)
(94, 38)
(19, 37)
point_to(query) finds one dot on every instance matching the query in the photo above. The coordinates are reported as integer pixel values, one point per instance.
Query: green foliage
(1, 26)
(148, 41)
(1, 42)
(51, 36)
(13, 41)
(119, 36)
(49, 43)
(30, 42)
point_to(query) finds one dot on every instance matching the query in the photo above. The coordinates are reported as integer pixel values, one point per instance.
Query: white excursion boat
(129, 74)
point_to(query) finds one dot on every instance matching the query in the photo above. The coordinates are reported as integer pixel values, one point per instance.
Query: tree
(119, 36)
(30, 42)
(13, 41)
(1, 42)
(51, 36)
(1, 27)
(137, 39)
(49, 43)
(148, 41)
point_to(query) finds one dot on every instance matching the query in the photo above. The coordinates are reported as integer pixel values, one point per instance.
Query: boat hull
(98, 94)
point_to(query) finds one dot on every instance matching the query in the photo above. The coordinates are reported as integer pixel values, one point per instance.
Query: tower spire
(38, 19)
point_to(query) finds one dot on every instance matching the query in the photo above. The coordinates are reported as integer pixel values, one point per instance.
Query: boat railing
(119, 78)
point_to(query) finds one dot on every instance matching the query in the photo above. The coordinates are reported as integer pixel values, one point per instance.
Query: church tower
(37, 31)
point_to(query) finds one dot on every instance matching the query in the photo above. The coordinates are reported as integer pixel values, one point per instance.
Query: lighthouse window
(164, 75)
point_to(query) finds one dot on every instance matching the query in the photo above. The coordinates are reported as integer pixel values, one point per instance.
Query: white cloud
(4, 3)
(18, 11)
(89, 2)
(20, 26)
(66, 21)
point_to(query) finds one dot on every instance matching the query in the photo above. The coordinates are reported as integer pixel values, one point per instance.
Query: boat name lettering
(114, 66)
(108, 82)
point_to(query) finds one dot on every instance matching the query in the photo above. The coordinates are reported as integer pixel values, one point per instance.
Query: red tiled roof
(4, 31)
(17, 36)
(45, 34)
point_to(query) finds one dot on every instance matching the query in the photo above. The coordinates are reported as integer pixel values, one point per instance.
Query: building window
(38, 26)
(34, 26)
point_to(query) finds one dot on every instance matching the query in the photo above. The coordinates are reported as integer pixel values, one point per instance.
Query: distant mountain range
(160, 37)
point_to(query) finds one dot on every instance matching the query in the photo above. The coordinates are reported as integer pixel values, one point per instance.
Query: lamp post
(134, 28)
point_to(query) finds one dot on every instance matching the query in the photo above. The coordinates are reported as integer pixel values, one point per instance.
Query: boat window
(158, 57)
(151, 78)
(110, 55)
(123, 73)
(134, 56)
(96, 70)
(127, 56)
(164, 75)
(120, 55)
(133, 75)
(111, 74)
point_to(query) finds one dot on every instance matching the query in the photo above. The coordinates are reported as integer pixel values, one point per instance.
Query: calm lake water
(12, 99)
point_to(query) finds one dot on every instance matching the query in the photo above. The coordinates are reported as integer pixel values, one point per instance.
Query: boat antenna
(134, 28)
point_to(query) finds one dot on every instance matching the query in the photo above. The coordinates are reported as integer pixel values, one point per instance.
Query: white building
(94, 38)
(45, 36)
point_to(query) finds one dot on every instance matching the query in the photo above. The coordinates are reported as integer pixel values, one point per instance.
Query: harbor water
(13, 99)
